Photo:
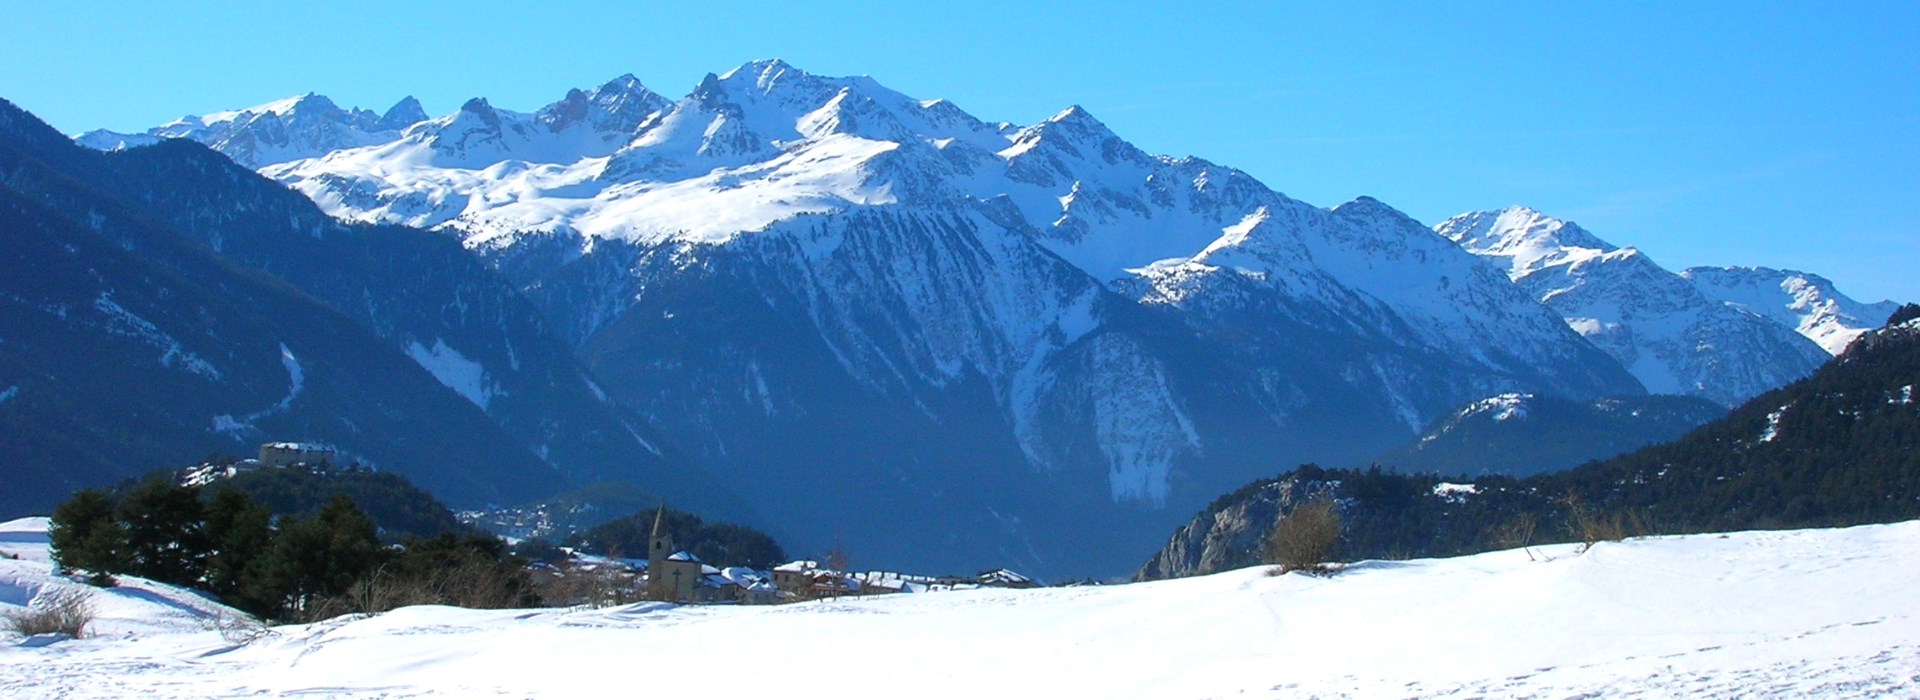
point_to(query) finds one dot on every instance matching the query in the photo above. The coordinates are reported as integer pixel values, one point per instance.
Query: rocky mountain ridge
(1659, 325)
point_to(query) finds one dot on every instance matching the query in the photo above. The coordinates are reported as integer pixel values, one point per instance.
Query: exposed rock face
(1227, 534)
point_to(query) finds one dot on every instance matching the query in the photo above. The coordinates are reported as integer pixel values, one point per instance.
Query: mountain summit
(1674, 338)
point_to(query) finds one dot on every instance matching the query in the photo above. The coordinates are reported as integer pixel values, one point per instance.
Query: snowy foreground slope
(1815, 613)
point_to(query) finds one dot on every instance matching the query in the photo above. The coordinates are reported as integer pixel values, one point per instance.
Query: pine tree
(319, 557)
(165, 535)
(240, 534)
(85, 537)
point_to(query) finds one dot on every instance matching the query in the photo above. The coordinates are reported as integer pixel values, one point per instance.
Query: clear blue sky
(1701, 132)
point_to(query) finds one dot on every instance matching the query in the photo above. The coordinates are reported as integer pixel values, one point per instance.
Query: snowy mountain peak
(1076, 123)
(623, 83)
(407, 112)
(1072, 135)
(109, 140)
(479, 107)
(310, 103)
(1672, 336)
(614, 110)
(468, 131)
(1805, 302)
(1364, 205)
(295, 128)
(770, 70)
(1075, 114)
(1526, 239)
(774, 82)
(767, 74)
(626, 94)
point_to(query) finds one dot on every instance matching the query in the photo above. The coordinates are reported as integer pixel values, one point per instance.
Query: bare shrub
(838, 560)
(1591, 527)
(1517, 533)
(235, 628)
(61, 610)
(1305, 539)
(466, 584)
(594, 587)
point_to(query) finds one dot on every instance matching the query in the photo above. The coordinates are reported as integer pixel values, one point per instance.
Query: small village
(668, 573)
(675, 575)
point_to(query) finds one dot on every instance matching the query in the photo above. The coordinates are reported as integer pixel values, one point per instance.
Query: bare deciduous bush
(236, 628)
(1305, 539)
(466, 584)
(593, 587)
(1592, 527)
(1517, 534)
(63, 610)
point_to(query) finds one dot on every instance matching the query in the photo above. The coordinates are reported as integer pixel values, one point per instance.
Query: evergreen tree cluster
(396, 505)
(718, 544)
(285, 567)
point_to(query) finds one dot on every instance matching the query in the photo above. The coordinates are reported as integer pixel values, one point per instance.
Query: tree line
(1840, 447)
(285, 567)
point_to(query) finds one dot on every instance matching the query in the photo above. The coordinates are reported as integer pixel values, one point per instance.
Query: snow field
(1827, 613)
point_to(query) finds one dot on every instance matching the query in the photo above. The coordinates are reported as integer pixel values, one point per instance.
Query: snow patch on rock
(466, 377)
(239, 428)
(122, 322)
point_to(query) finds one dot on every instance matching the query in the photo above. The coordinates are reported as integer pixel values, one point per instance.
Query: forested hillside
(1841, 447)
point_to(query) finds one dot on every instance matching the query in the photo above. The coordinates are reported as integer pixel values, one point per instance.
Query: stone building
(672, 574)
(284, 454)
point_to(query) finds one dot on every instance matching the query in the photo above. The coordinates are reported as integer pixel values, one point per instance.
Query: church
(672, 575)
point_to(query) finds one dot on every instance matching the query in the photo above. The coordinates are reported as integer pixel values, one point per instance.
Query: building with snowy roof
(1004, 578)
(672, 574)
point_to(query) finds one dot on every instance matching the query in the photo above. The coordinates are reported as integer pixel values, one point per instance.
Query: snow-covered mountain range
(1723, 334)
(1804, 301)
(276, 132)
(819, 285)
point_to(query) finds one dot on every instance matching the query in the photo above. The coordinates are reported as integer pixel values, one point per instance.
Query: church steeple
(660, 543)
(659, 547)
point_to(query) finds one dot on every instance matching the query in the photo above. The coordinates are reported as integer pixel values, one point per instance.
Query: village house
(1004, 578)
(678, 575)
(807, 579)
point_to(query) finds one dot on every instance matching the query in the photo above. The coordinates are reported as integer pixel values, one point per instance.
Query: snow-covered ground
(1823, 613)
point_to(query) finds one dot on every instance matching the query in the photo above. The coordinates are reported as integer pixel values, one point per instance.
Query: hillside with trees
(279, 567)
(397, 507)
(1527, 434)
(1838, 448)
(718, 544)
